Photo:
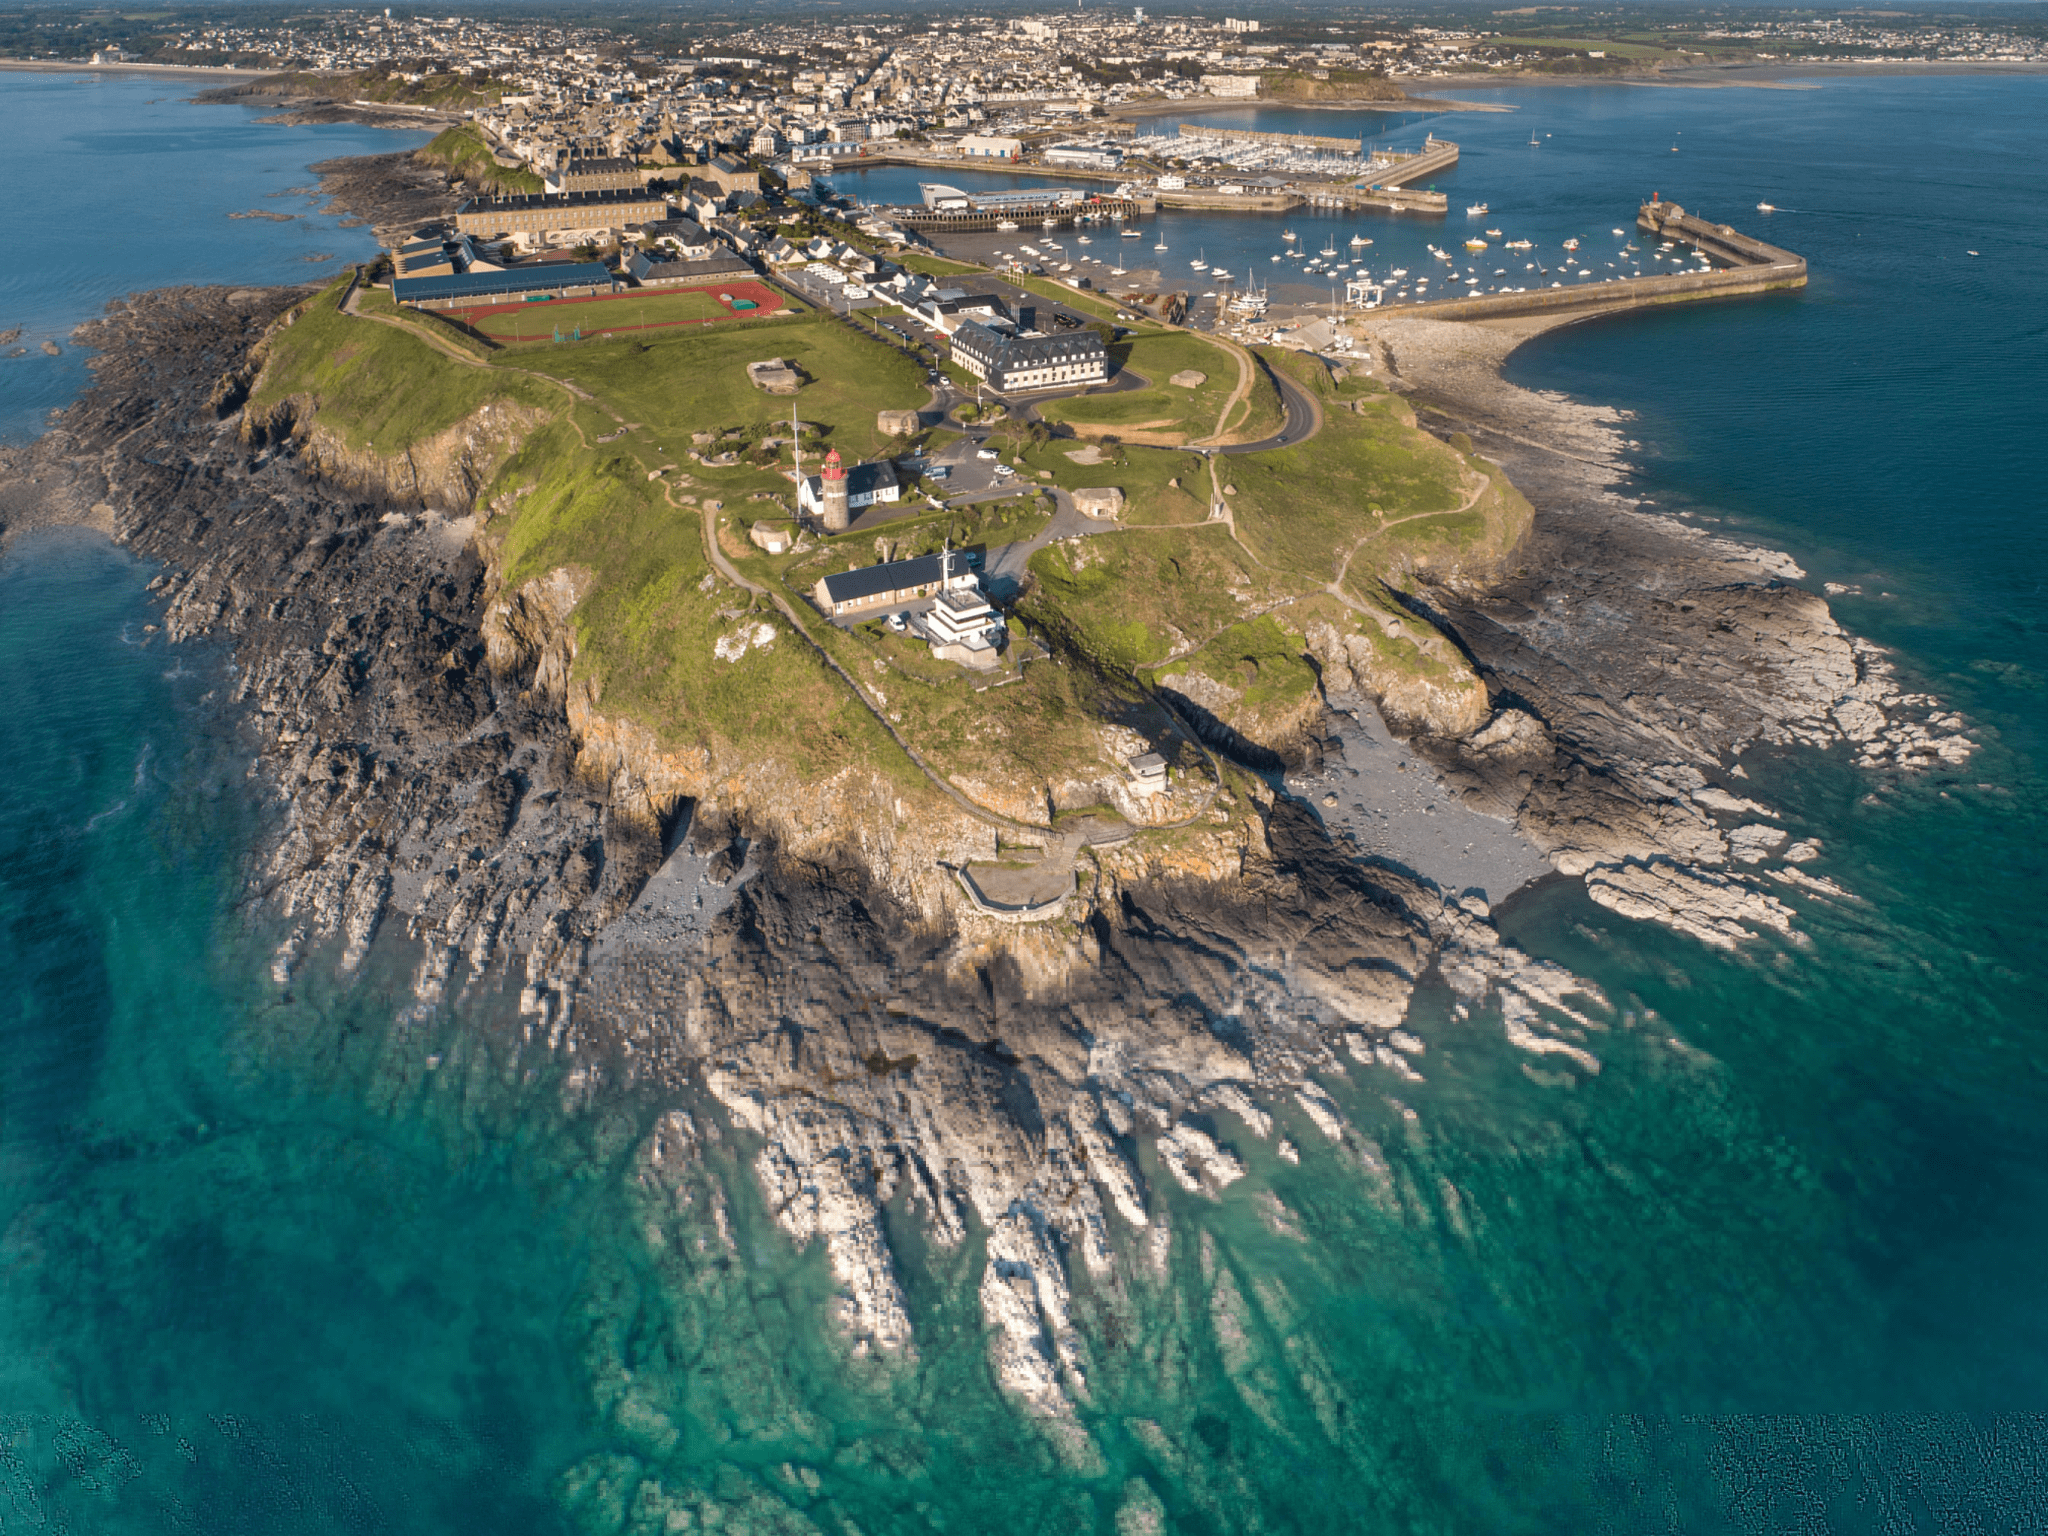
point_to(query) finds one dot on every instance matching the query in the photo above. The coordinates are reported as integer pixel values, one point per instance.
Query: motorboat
(1765, 208)
(1129, 234)
(1572, 244)
(1521, 245)
(1475, 245)
(1287, 235)
(1359, 242)
(1272, 258)
(1493, 234)
(1005, 225)
(1621, 232)
(1087, 240)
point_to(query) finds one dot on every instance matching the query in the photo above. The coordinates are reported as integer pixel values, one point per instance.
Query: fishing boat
(1476, 211)
(1359, 242)
(1005, 225)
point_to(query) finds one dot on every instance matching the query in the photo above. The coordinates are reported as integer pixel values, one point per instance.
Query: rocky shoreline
(431, 788)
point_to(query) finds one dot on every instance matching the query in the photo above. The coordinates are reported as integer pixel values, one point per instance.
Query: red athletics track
(767, 300)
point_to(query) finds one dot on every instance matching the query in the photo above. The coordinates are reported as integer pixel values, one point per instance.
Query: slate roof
(534, 279)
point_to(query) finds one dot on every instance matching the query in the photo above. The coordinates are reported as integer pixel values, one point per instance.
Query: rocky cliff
(438, 768)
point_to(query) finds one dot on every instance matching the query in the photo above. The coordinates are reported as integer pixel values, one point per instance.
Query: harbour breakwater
(1755, 267)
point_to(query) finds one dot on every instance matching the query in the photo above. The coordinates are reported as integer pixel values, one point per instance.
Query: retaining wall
(1759, 268)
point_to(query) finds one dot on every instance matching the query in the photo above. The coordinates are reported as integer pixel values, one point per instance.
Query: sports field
(642, 309)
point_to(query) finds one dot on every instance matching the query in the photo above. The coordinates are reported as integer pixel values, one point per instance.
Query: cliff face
(448, 470)
(440, 763)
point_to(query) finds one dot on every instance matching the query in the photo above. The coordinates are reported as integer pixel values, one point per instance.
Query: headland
(564, 660)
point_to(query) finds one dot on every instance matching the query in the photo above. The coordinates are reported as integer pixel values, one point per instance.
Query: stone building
(564, 219)
(1025, 364)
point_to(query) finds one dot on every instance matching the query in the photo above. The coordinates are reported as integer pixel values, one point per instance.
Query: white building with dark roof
(1025, 364)
(866, 484)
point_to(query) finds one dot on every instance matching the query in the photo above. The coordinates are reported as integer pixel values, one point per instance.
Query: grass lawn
(1263, 663)
(682, 382)
(1375, 482)
(1142, 474)
(1133, 599)
(1163, 413)
(375, 385)
(934, 266)
(648, 631)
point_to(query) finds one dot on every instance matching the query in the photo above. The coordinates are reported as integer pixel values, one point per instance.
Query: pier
(1754, 267)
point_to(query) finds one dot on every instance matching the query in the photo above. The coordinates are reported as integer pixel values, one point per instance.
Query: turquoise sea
(305, 1262)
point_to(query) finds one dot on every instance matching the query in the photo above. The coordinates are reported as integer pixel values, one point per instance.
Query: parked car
(897, 622)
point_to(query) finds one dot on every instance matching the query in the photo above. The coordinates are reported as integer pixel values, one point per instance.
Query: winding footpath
(1303, 420)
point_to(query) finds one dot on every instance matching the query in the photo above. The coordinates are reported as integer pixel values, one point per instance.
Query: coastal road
(1304, 416)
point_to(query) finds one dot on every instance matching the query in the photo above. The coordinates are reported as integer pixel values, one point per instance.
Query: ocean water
(309, 1261)
(117, 183)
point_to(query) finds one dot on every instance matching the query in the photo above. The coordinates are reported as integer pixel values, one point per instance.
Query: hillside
(616, 480)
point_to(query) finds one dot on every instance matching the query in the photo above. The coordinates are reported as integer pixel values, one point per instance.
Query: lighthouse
(833, 494)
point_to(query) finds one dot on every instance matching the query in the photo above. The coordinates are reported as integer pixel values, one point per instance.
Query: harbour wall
(1759, 268)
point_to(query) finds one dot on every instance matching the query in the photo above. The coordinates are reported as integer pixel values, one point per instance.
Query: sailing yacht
(1201, 262)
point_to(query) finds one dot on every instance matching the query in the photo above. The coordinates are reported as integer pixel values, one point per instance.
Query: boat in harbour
(1359, 242)
(1766, 208)
(1129, 234)
(1476, 211)
(1287, 235)
(1006, 225)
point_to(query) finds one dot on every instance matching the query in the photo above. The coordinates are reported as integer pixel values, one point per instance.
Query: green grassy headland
(631, 436)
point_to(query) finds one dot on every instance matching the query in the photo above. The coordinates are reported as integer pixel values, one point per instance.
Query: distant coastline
(181, 71)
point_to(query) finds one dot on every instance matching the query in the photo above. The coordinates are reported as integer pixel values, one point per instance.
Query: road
(1304, 416)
